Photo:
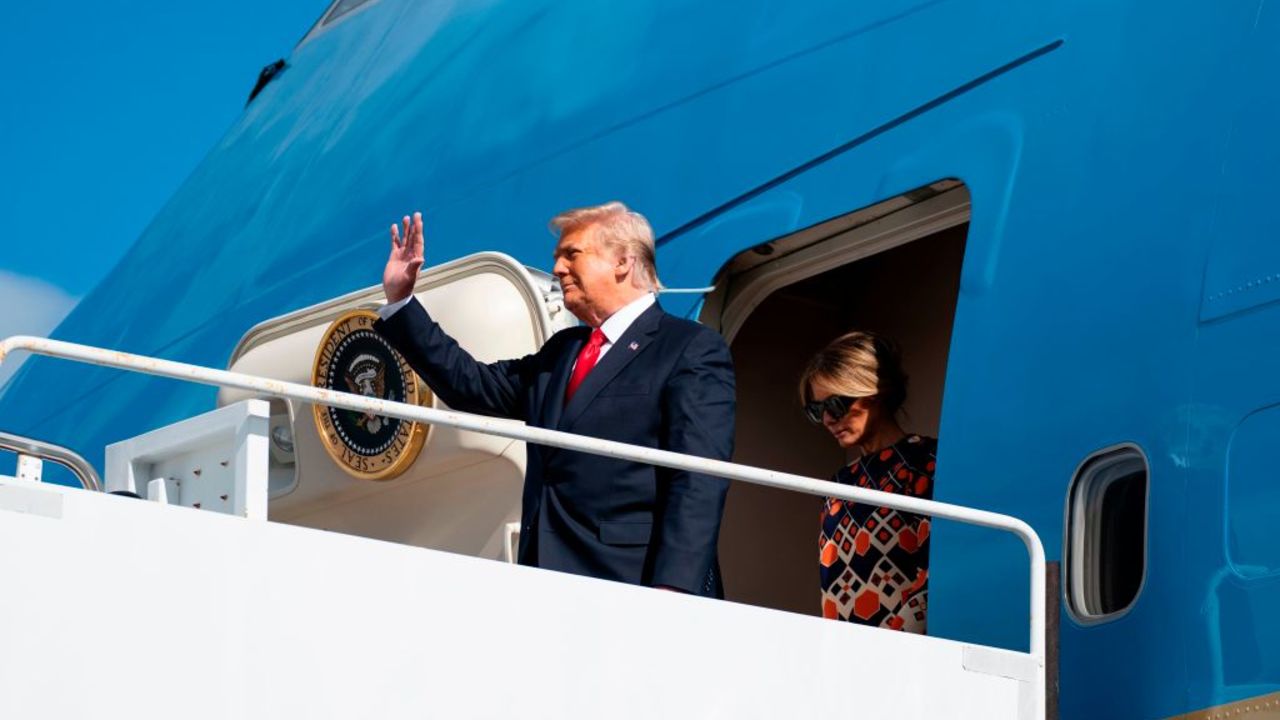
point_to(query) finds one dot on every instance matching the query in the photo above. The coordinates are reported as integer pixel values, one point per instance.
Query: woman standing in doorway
(873, 561)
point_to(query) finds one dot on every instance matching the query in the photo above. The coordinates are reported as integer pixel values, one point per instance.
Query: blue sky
(105, 108)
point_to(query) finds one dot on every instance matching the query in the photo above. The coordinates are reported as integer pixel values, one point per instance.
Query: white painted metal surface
(217, 461)
(657, 457)
(30, 468)
(120, 607)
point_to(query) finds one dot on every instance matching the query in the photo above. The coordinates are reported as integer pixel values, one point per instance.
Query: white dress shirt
(613, 328)
(617, 324)
(390, 309)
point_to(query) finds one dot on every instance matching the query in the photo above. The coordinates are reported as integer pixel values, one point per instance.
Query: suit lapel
(629, 346)
(553, 406)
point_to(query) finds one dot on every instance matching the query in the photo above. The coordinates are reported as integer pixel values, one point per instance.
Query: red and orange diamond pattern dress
(874, 561)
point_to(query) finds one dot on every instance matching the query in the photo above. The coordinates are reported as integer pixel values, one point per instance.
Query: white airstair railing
(571, 441)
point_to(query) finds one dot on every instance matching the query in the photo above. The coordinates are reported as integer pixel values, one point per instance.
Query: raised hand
(406, 257)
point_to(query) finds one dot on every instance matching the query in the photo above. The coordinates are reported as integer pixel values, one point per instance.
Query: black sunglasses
(837, 406)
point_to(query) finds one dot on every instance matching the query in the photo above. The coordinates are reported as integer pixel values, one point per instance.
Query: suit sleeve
(453, 375)
(698, 409)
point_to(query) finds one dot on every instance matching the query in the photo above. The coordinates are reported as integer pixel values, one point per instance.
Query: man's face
(588, 275)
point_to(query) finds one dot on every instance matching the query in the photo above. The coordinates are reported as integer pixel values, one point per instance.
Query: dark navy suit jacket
(666, 383)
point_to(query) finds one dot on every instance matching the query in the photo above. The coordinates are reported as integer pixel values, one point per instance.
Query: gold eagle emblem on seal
(353, 358)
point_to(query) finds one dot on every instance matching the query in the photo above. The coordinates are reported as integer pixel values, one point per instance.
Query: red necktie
(586, 360)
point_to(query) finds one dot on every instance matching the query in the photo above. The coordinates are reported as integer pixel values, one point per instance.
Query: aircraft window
(1106, 547)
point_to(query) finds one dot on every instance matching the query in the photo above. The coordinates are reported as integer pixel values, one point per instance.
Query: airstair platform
(186, 600)
(114, 606)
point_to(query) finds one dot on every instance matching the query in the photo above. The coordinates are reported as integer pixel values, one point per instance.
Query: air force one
(1062, 211)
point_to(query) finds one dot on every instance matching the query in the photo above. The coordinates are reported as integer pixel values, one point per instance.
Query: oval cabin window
(1106, 543)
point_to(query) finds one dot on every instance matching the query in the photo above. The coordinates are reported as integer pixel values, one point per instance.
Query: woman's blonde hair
(858, 364)
(622, 230)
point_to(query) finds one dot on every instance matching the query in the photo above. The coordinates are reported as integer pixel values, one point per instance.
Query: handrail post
(27, 447)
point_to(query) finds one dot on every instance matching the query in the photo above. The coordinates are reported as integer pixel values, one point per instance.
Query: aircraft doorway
(893, 268)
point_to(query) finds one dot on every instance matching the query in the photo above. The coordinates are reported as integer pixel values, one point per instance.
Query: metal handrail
(65, 457)
(570, 441)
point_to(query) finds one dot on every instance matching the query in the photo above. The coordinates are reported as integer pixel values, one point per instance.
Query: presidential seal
(353, 358)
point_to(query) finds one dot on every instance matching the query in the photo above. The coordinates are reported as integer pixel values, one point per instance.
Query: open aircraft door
(435, 487)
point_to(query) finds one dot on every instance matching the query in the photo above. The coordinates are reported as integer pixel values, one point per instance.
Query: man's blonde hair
(621, 229)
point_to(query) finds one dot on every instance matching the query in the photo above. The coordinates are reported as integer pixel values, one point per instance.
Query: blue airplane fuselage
(1119, 282)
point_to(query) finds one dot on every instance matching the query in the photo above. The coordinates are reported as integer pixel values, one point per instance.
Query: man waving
(631, 373)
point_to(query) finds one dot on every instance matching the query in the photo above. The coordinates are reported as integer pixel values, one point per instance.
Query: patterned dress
(873, 561)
